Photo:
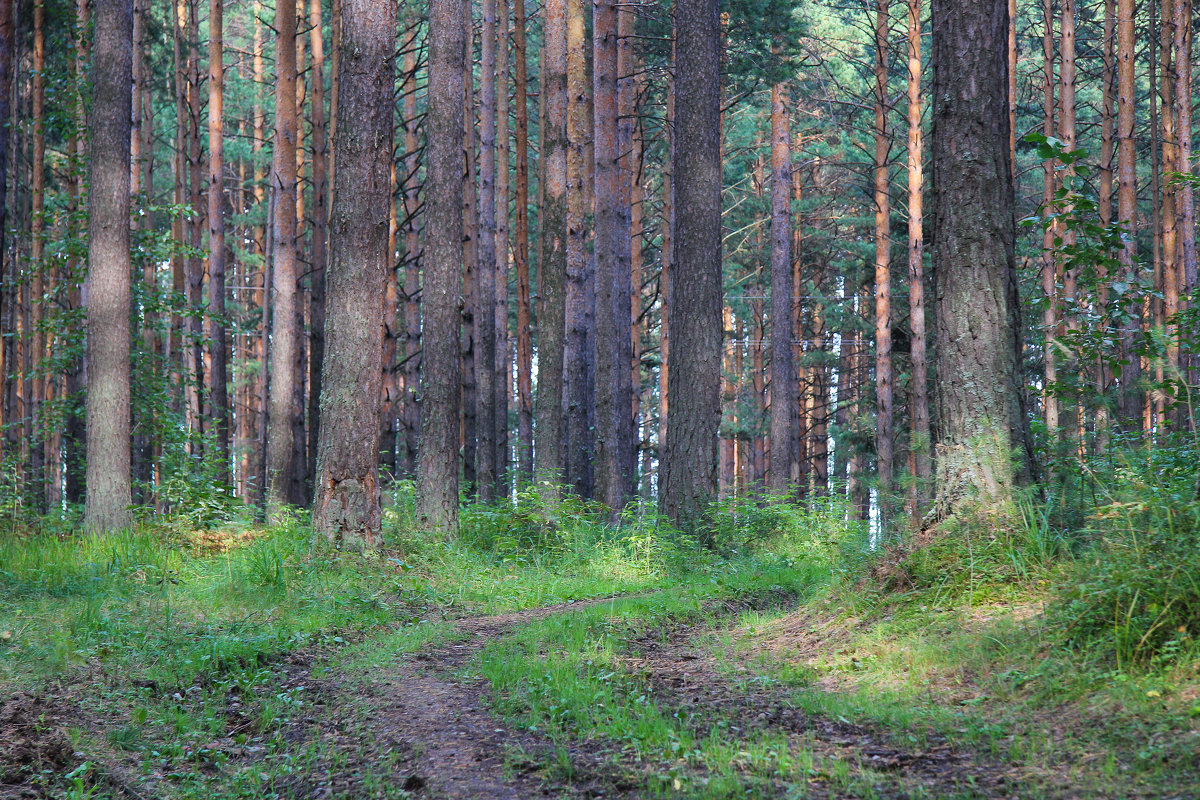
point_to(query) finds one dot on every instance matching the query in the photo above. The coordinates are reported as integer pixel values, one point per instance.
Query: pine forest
(581, 398)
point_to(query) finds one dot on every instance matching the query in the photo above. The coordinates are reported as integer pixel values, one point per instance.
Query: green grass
(173, 644)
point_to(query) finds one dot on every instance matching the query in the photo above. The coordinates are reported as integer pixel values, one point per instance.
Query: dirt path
(455, 747)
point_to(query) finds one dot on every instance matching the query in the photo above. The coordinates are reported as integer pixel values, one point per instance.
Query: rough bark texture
(920, 463)
(689, 469)
(783, 407)
(613, 345)
(884, 434)
(485, 315)
(1050, 404)
(579, 358)
(1129, 403)
(284, 343)
(347, 508)
(550, 433)
(320, 218)
(108, 464)
(983, 446)
(217, 341)
(521, 248)
(437, 466)
(503, 361)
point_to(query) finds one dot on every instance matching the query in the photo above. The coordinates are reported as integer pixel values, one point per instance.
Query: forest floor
(253, 663)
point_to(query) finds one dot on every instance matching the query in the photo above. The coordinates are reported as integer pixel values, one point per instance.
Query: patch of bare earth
(686, 676)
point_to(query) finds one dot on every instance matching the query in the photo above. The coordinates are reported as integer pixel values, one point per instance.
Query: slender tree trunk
(1102, 373)
(437, 469)
(884, 434)
(470, 308)
(629, 285)
(521, 249)
(579, 358)
(34, 381)
(502, 384)
(348, 508)
(320, 217)
(1067, 133)
(1185, 270)
(218, 377)
(1170, 215)
(284, 342)
(109, 491)
(195, 263)
(74, 434)
(1130, 399)
(1050, 402)
(983, 447)
(549, 456)
(7, 347)
(783, 388)
(919, 461)
(689, 473)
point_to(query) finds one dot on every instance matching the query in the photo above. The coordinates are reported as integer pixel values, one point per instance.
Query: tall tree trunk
(470, 332)
(579, 358)
(485, 313)
(195, 263)
(34, 381)
(884, 434)
(74, 434)
(689, 470)
(549, 456)
(503, 362)
(919, 461)
(1185, 271)
(1050, 261)
(1170, 216)
(983, 446)
(109, 491)
(320, 217)
(437, 468)
(1102, 374)
(284, 342)
(1067, 133)
(348, 508)
(783, 389)
(1129, 399)
(628, 286)
(218, 375)
(521, 248)
(613, 345)
(412, 275)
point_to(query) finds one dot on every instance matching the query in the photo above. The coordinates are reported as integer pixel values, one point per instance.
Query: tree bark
(884, 434)
(521, 249)
(578, 354)
(503, 362)
(783, 388)
(437, 468)
(613, 344)
(219, 373)
(320, 217)
(284, 341)
(485, 312)
(549, 456)
(689, 469)
(348, 509)
(920, 464)
(1050, 261)
(108, 465)
(983, 447)
(1130, 398)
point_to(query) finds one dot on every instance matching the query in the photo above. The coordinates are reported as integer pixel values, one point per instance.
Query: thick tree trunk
(108, 469)
(485, 314)
(1185, 277)
(884, 434)
(689, 470)
(219, 373)
(983, 446)
(783, 388)
(347, 508)
(549, 456)
(437, 468)
(284, 341)
(613, 345)
(919, 463)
